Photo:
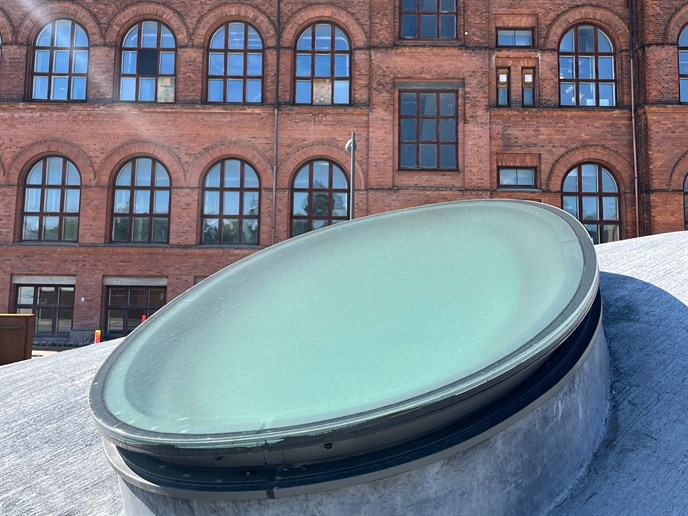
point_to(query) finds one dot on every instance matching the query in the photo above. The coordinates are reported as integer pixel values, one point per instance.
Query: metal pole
(350, 147)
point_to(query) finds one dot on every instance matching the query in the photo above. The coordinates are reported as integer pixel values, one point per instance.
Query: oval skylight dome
(366, 324)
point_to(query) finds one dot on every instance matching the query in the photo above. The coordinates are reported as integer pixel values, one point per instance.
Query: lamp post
(350, 147)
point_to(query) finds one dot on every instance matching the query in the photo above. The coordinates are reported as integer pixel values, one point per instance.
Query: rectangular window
(528, 86)
(515, 38)
(503, 93)
(428, 130)
(428, 19)
(516, 177)
(53, 306)
(127, 307)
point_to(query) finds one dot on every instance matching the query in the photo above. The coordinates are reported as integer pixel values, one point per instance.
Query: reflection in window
(503, 93)
(52, 196)
(53, 306)
(427, 130)
(60, 62)
(514, 37)
(528, 86)
(683, 64)
(231, 204)
(428, 19)
(147, 66)
(323, 66)
(590, 194)
(235, 64)
(126, 307)
(586, 68)
(319, 196)
(516, 177)
(141, 207)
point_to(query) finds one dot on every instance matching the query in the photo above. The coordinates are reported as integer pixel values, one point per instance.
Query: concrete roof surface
(51, 459)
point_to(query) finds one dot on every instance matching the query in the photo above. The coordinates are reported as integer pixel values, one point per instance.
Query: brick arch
(6, 28)
(614, 162)
(110, 166)
(678, 173)
(37, 18)
(214, 153)
(673, 27)
(125, 18)
(230, 12)
(323, 12)
(27, 157)
(318, 150)
(600, 16)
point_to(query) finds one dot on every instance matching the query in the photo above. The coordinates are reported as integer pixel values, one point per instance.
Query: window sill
(47, 243)
(531, 189)
(431, 170)
(428, 42)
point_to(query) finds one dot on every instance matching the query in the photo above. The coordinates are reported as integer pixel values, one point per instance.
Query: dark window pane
(570, 205)
(594, 232)
(210, 231)
(64, 321)
(428, 104)
(115, 320)
(408, 103)
(409, 25)
(447, 26)
(160, 230)
(47, 295)
(230, 231)
(448, 104)
(44, 320)
(298, 227)
(140, 232)
(147, 63)
(428, 156)
(250, 232)
(586, 39)
(118, 297)
(408, 156)
(428, 26)
(428, 129)
(66, 296)
(590, 208)
(447, 156)
(408, 129)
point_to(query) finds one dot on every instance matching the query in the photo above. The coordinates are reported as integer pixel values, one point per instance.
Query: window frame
(310, 218)
(131, 215)
(504, 85)
(44, 187)
(312, 53)
(599, 195)
(596, 55)
(36, 306)
(517, 185)
(137, 76)
(50, 76)
(242, 190)
(529, 30)
(418, 141)
(682, 49)
(225, 77)
(148, 308)
(685, 203)
(438, 14)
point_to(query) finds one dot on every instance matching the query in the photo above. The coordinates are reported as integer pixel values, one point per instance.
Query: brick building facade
(145, 145)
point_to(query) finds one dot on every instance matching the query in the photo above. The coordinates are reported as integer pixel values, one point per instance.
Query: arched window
(683, 64)
(141, 208)
(590, 194)
(60, 62)
(323, 66)
(235, 64)
(685, 203)
(587, 74)
(52, 196)
(231, 204)
(148, 56)
(319, 196)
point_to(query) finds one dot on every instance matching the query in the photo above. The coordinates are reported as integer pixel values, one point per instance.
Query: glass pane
(45, 38)
(528, 97)
(32, 201)
(30, 228)
(127, 89)
(409, 5)
(117, 296)
(142, 201)
(147, 90)
(321, 204)
(594, 232)
(303, 65)
(253, 39)
(249, 232)
(235, 90)
(25, 295)
(212, 180)
(323, 36)
(323, 65)
(129, 62)
(235, 64)
(230, 231)
(321, 174)
(254, 90)
(132, 38)
(589, 178)
(254, 65)
(571, 181)
(306, 40)
(65, 296)
(303, 92)
(138, 296)
(47, 295)
(448, 104)
(250, 177)
(161, 202)
(51, 228)
(215, 90)
(210, 231)
(603, 42)
(587, 94)
(143, 172)
(566, 68)
(317, 224)
(502, 97)
(36, 175)
(447, 26)
(166, 63)
(610, 233)
(44, 320)
(428, 129)
(339, 180)
(341, 66)
(300, 204)
(586, 39)
(166, 38)
(40, 88)
(428, 156)
(408, 103)
(507, 177)
(607, 97)
(341, 42)
(571, 205)
(54, 171)
(232, 177)
(341, 92)
(64, 320)
(590, 208)
(409, 25)
(683, 38)
(63, 33)
(59, 88)
(157, 297)
(141, 227)
(161, 230)
(72, 174)
(301, 180)
(115, 321)
(526, 177)
(506, 38)
(61, 61)
(586, 67)
(230, 203)
(162, 178)
(122, 201)
(606, 67)
(566, 44)
(150, 35)
(523, 38)
(428, 104)
(428, 26)
(120, 229)
(211, 203)
(407, 129)
(237, 35)
(78, 88)
(340, 205)
(428, 5)
(80, 37)
(684, 90)
(52, 202)
(610, 208)
(250, 203)
(218, 39)
(70, 229)
(447, 156)
(298, 227)
(407, 158)
(166, 89)
(608, 183)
